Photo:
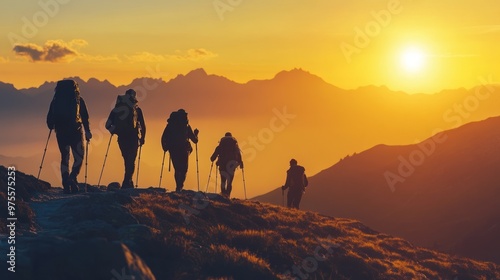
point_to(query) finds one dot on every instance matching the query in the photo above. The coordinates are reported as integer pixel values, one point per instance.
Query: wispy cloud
(51, 51)
(190, 54)
(145, 57)
(484, 29)
(193, 54)
(99, 58)
(60, 51)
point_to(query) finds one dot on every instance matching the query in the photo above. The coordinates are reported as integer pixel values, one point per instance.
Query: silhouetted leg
(63, 143)
(289, 199)
(78, 151)
(228, 173)
(230, 177)
(223, 181)
(180, 162)
(297, 199)
(128, 146)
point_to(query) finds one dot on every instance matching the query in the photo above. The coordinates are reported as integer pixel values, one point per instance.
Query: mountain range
(294, 114)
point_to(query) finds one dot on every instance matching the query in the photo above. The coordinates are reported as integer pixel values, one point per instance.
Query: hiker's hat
(132, 94)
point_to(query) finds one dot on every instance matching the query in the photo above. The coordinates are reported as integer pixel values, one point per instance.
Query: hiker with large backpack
(175, 140)
(229, 158)
(296, 181)
(127, 122)
(67, 115)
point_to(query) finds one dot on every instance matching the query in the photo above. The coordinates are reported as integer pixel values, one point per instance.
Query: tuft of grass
(224, 261)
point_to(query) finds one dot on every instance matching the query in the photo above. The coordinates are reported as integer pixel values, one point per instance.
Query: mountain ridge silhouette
(444, 202)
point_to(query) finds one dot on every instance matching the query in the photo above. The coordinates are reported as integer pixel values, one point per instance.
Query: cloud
(191, 54)
(51, 51)
(194, 54)
(99, 58)
(145, 57)
(3, 60)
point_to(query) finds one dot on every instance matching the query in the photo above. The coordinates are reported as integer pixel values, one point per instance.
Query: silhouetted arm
(215, 154)
(191, 135)
(288, 180)
(164, 141)
(50, 116)
(84, 114)
(238, 156)
(110, 123)
(142, 123)
(306, 182)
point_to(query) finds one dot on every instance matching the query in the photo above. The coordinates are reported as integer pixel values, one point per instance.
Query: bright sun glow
(412, 60)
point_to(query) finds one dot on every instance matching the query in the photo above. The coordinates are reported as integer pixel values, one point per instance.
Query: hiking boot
(66, 184)
(73, 184)
(129, 184)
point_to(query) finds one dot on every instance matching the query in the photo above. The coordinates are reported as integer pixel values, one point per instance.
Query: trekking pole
(86, 163)
(244, 185)
(43, 157)
(138, 167)
(162, 165)
(197, 168)
(105, 157)
(216, 177)
(169, 161)
(209, 175)
(283, 197)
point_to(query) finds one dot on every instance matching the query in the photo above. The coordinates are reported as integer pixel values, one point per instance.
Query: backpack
(175, 135)
(125, 120)
(228, 150)
(298, 180)
(66, 105)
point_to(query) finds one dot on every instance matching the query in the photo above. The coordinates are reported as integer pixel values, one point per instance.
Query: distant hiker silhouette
(175, 140)
(67, 114)
(229, 158)
(296, 181)
(127, 121)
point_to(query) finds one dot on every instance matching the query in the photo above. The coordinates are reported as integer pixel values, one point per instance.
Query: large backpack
(298, 179)
(66, 105)
(125, 120)
(228, 150)
(175, 135)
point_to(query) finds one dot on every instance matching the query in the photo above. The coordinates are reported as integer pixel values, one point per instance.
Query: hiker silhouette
(229, 158)
(127, 122)
(175, 140)
(67, 113)
(296, 181)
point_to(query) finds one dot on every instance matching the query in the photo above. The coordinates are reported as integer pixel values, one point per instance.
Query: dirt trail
(49, 215)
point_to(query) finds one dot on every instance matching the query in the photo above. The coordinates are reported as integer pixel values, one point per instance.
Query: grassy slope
(250, 240)
(188, 236)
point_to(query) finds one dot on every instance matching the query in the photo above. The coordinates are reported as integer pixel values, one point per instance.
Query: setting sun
(412, 60)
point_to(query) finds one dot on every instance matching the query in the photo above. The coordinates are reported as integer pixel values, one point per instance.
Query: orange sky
(348, 43)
